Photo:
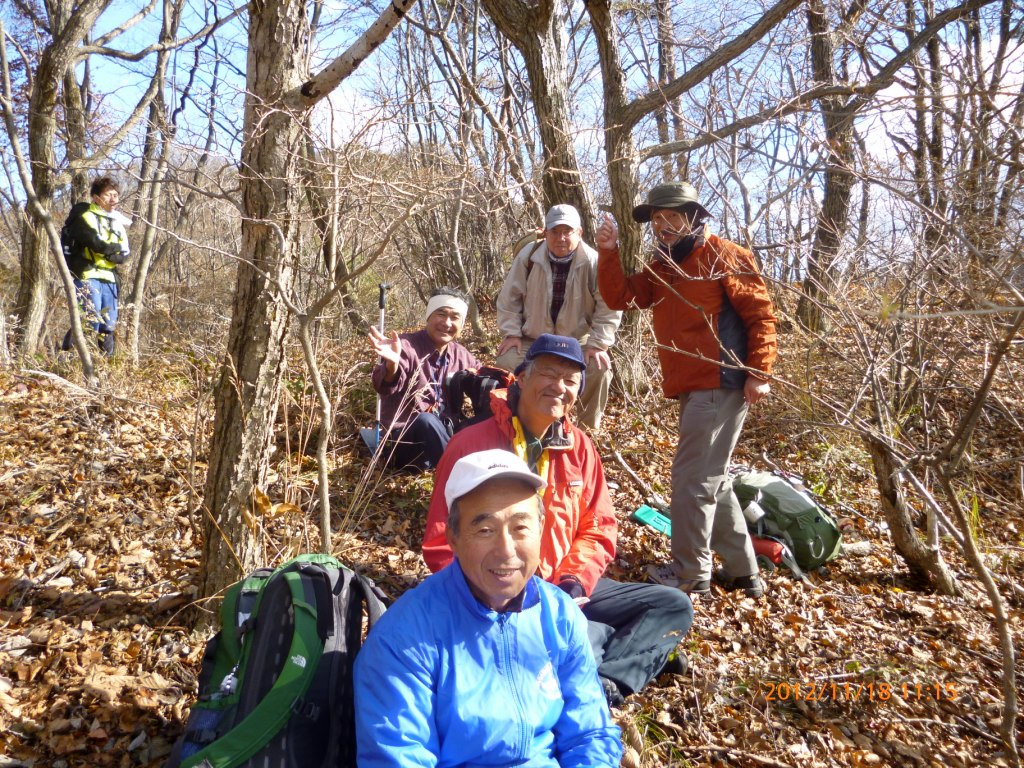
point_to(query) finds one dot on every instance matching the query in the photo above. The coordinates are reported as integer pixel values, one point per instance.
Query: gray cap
(673, 196)
(562, 214)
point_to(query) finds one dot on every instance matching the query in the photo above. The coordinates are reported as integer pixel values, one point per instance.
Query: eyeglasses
(555, 376)
(561, 233)
(673, 223)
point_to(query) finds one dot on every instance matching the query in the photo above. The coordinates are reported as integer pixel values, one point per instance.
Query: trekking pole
(381, 302)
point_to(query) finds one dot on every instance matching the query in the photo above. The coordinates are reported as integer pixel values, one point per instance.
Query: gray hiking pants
(633, 628)
(705, 512)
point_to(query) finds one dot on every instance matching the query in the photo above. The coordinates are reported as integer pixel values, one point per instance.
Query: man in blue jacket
(484, 663)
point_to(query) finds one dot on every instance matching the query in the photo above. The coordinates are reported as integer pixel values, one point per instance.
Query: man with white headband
(416, 412)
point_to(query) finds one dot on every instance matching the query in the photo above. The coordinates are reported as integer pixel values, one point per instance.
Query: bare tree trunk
(279, 93)
(665, 116)
(154, 165)
(621, 115)
(620, 154)
(248, 392)
(69, 23)
(538, 32)
(182, 209)
(160, 135)
(925, 564)
(151, 196)
(618, 135)
(69, 29)
(30, 301)
(74, 121)
(49, 231)
(833, 218)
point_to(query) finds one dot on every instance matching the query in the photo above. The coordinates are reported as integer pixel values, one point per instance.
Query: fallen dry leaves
(100, 553)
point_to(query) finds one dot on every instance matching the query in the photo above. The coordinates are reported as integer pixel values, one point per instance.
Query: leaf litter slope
(98, 663)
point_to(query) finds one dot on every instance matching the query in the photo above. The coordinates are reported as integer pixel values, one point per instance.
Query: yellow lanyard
(519, 444)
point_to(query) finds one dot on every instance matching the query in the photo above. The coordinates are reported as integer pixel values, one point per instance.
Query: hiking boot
(751, 585)
(612, 693)
(675, 664)
(666, 575)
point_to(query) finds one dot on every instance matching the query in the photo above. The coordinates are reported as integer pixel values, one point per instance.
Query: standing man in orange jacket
(715, 327)
(633, 628)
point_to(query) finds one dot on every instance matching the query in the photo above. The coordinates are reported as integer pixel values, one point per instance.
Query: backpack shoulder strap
(529, 258)
(354, 591)
(76, 210)
(521, 244)
(239, 603)
(375, 598)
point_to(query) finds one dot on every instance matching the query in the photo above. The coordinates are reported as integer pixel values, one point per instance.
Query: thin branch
(321, 84)
(113, 53)
(644, 105)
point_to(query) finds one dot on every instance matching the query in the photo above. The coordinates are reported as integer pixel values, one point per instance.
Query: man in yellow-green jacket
(95, 242)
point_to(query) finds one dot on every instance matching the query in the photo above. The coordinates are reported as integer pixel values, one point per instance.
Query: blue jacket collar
(529, 597)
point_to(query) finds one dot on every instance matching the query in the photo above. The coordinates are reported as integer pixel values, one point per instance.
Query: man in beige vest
(552, 288)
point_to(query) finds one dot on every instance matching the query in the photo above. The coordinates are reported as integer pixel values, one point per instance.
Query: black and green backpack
(74, 251)
(275, 687)
(791, 515)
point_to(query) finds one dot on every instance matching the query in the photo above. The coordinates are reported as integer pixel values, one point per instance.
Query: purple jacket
(413, 390)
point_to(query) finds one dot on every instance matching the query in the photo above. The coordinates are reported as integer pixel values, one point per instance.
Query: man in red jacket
(633, 628)
(715, 327)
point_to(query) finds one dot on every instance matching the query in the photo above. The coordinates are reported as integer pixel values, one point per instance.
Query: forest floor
(100, 553)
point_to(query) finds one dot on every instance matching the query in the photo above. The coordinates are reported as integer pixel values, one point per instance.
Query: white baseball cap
(475, 469)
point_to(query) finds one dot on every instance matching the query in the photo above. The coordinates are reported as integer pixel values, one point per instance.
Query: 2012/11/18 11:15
(872, 691)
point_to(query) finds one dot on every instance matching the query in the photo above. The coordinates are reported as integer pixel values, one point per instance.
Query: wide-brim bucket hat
(673, 196)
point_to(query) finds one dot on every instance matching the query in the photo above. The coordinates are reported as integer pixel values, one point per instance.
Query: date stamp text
(876, 690)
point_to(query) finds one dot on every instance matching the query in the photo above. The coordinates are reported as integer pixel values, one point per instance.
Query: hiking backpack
(790, 515)
(74, 251)
(476, 387)
(275, 687)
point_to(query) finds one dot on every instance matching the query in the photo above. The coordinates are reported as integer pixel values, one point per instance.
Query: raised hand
(608, 233)
(389, 348)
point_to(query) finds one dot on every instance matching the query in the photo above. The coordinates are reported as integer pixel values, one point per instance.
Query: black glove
(572, 587)
(117, 257)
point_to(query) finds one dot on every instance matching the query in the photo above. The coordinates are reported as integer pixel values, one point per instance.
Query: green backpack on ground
(275, 689)
(789, 514)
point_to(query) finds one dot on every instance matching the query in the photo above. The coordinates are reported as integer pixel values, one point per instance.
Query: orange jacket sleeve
(749, 296)
(618, 291)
